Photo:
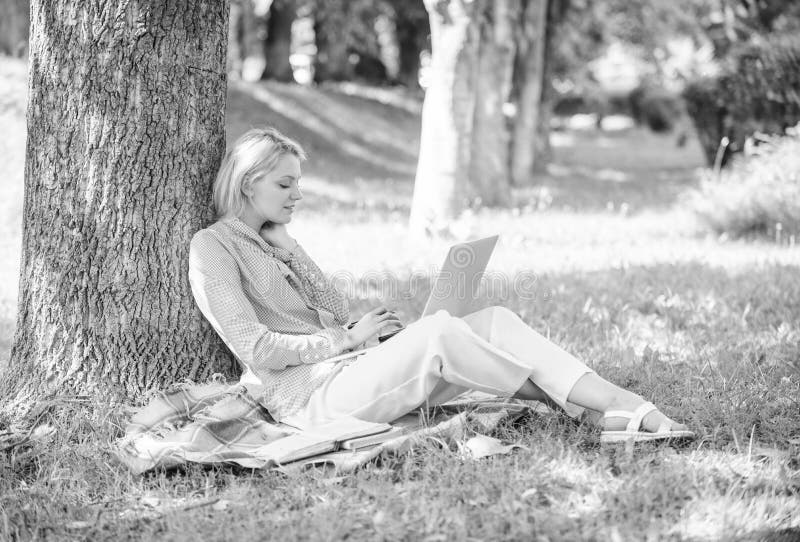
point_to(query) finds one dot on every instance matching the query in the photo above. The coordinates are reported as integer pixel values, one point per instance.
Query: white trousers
(439, 357)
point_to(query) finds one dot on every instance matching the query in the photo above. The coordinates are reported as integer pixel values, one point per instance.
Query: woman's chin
(281, 218)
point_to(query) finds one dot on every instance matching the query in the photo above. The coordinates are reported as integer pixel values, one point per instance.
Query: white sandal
(633, 433)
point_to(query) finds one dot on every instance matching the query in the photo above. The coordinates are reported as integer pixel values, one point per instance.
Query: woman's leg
(437, 358)
(506, 330)
(598, 394)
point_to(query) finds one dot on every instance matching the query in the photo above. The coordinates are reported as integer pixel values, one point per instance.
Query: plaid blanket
(222, 423)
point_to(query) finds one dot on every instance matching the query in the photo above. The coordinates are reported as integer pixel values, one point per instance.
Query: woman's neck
(254, 222)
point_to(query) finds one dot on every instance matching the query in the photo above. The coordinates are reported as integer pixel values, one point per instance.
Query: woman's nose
(297, 194)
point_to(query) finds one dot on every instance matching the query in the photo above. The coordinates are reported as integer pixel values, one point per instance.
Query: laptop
(458, 282)
(456, 286)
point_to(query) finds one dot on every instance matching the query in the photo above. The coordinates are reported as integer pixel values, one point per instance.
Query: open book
(320, 439)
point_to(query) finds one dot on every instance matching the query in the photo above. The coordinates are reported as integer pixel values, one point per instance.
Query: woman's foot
(641, 422)
(651, 421)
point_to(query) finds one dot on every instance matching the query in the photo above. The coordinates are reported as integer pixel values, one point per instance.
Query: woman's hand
(369, 325)
(277, 236)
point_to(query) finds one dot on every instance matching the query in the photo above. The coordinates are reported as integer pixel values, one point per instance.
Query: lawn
(624, 278)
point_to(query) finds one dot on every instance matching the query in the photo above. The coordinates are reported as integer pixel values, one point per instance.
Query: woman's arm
(216, 284)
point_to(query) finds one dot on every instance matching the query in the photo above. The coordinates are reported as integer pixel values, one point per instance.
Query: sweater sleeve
(318, 287)
(216, 284)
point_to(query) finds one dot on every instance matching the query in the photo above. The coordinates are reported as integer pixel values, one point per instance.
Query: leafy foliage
(760, 194)
(755, 91)
(655, 107)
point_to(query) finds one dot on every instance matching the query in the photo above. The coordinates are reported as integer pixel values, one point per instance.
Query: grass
(624, 278)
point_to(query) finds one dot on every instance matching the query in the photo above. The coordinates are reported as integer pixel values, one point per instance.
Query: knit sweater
(274, 308)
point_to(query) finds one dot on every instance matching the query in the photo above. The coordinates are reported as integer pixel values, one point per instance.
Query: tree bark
(125, 133)
(529, 73)
(463, 143)
(14, 25)
(278, 45)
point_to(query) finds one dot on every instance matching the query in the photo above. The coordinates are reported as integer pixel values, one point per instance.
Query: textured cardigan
(274, 308)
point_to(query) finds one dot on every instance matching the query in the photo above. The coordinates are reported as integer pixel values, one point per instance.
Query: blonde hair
(254, 154)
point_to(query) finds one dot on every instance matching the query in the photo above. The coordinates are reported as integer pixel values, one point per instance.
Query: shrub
(655, 107)
(759, 194)
(756, 90)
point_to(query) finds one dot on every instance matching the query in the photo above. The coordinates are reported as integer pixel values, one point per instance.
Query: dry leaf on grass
(481, 446)
(150, 501)
(529, 493)
(220, 505)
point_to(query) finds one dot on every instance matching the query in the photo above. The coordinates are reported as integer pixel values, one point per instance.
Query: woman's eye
(286, 186)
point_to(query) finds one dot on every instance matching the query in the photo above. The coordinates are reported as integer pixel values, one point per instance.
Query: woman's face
(275, 193)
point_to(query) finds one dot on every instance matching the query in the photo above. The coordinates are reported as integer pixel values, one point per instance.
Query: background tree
(347, 41)
(278, 41)
(529, 80)
(246, 35)
(125, 133)
(412, 28)
(14, 26)
(489, 175)
(463, 143)
(236, 15)
(331, 25)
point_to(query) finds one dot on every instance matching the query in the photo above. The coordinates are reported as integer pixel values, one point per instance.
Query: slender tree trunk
(530, 81)
(125, 133)
(278, 45)
(14, 26)
(441, 188)
(556, 12)
(489, 168)
(412, 28)
(252, 40)
(332, 62)
(463, 155)
(542, 148)
(235, 35)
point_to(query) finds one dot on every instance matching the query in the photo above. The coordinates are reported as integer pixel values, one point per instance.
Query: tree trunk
(489, 168)
(542, 148)
(543, 152)
(441, 183)
(332, 62)
(530, 80)
(278, 45)
(412, 29)
(463, 134)
(235, 36)
(14, 22)
(252, 39)
(125, 133)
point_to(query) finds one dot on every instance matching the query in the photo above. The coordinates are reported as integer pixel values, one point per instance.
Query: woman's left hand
(277, 236)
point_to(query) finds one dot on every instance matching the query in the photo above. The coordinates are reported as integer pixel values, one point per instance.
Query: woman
(283, 319)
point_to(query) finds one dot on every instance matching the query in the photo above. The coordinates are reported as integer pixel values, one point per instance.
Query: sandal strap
(636, 416)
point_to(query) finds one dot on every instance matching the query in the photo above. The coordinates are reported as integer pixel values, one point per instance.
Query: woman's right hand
(369, 325)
